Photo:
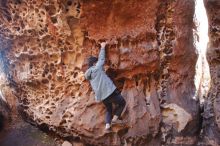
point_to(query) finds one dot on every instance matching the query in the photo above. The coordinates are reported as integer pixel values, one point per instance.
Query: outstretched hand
(103, 44)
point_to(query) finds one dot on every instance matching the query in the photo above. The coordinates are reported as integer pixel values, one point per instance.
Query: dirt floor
(20, 133)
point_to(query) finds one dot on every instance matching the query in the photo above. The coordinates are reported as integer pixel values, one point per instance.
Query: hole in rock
(75, 74)
(45, 81)
(202, 77)
(44, 127)
(17, 1)
(54, 19)
(69, 3)
(78, 5)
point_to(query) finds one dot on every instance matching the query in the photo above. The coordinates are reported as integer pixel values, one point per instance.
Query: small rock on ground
(66, 143)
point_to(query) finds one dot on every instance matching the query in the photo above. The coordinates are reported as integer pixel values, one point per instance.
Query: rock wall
(7, 99)
(150, 57)
(211, 115)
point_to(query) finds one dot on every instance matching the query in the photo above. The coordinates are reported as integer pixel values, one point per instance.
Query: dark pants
(118, 100)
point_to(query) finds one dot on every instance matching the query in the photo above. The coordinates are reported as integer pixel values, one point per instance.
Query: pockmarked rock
(150, 57)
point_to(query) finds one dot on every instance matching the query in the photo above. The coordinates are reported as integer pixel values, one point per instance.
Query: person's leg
(108, 104)
(120, 104)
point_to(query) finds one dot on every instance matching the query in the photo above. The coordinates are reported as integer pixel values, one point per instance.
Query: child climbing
(104, 88)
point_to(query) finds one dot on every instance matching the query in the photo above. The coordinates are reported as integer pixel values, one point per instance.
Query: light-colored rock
(78, 144)
(66, 143)
(176, 116)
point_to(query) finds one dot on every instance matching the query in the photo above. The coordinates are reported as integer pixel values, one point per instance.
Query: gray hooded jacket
(101, 84)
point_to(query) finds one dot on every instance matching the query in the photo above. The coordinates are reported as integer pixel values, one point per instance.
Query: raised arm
(101, 59)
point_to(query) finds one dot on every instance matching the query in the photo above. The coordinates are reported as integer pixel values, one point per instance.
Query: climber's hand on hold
(103, 44)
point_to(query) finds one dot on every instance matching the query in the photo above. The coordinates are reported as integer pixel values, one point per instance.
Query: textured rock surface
(151, 58)
(211, 116)
(5, 93)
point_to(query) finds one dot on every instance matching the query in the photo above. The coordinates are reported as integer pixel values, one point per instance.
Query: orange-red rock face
(150, 57)
(119, 19)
